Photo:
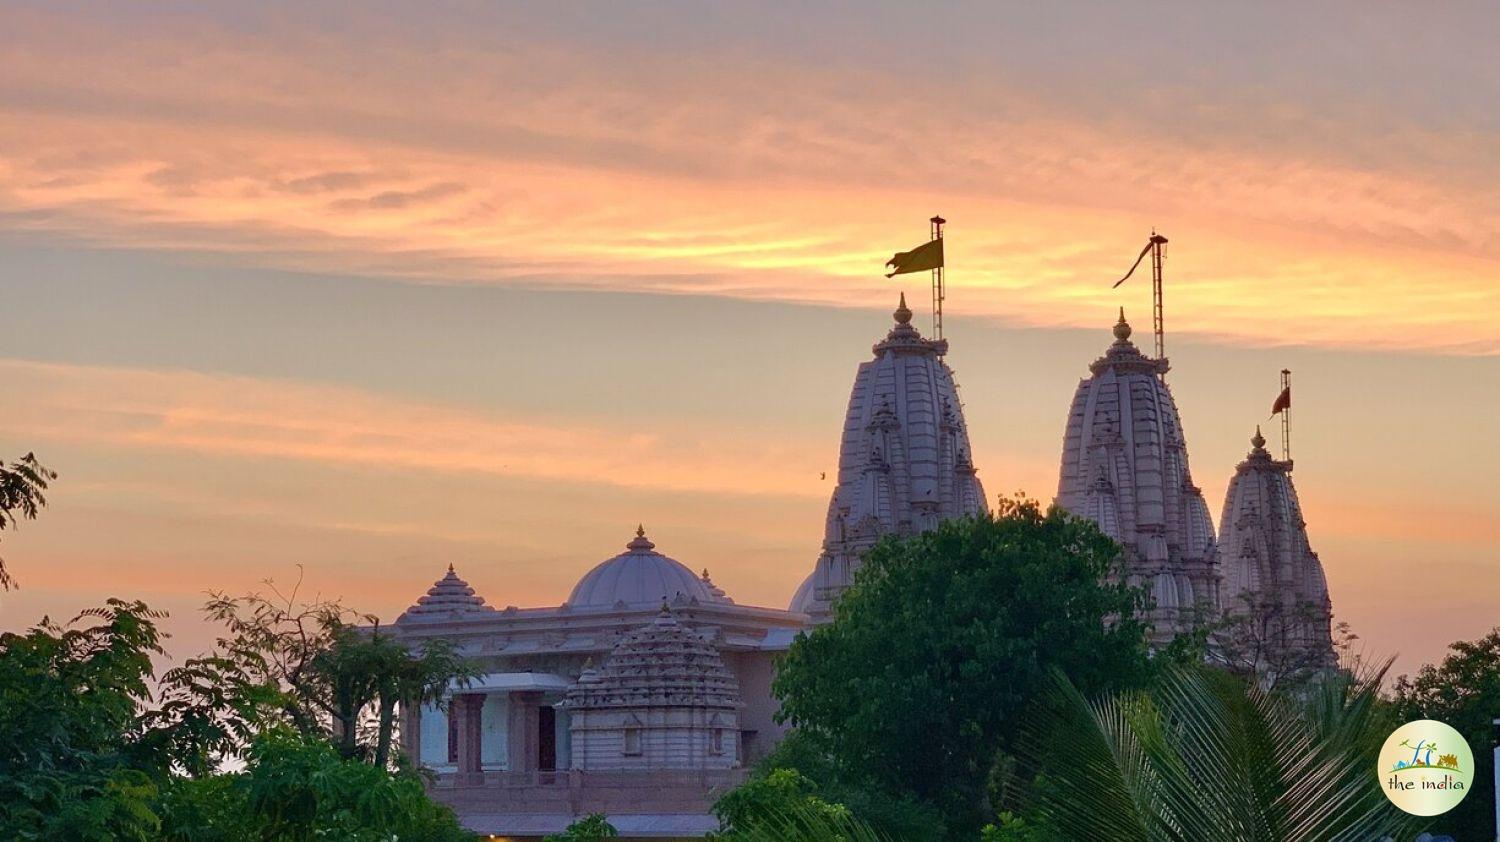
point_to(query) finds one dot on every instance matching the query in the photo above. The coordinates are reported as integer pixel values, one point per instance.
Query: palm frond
(1205, 755)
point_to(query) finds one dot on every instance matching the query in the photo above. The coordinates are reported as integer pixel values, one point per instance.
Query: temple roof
(663, 664)
(640, 575)
(1125, 466)
(1264, 549)
(905, 462)
(1267, 564)
(449, 598)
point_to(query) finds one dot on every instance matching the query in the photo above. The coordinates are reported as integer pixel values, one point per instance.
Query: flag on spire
(1283, 401)
(928, 255)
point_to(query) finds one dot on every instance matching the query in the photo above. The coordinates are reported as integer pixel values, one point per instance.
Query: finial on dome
(903, 313)
(450, 567)
(640, 542)
(1122, 327)
(1258, 441)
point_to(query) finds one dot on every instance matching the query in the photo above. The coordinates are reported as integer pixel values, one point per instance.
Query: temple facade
(1125, 466)
(646, 694)
(1273, 585)
(905, 463)
(643, 697)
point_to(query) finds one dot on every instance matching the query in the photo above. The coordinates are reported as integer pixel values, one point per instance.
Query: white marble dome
(804, 600)
(641, 576)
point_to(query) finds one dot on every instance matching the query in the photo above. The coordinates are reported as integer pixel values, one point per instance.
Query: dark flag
(928, 255)
(1155, 238)
(1283, 401)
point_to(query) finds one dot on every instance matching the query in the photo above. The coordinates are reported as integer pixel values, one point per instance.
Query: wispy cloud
(543, 162)
(183, 411)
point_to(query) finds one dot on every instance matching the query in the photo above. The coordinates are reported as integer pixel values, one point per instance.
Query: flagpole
(938, 293)
(1157, 241)
(1286, 418)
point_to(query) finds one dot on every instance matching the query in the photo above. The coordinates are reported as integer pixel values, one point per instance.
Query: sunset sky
(372, 288)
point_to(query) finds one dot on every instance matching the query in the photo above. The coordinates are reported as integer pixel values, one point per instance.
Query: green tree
(917, 685)
(86, 753)
(331, 671)
(1463, 691)
(768, 799)
(22, 486)
(591, 828)
(70, 697)
(1204, 754)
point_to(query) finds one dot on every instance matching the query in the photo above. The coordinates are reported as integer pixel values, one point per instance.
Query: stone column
(467, 709)
(411, 731)
(521, 730)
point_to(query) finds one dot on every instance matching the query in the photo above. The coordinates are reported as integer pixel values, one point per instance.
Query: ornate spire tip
(1257, 441)
(1122, 327)
(903, 313)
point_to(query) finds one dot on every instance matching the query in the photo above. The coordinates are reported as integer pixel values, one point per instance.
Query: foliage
(1266, 638)
(300, 789)
(22, 486)
(780, 806)
(765, 799)
(942, 640)
(323, 673)
(1205, 754)
(69, 700)
(85, 754)
(591, 828)
(1463, 691)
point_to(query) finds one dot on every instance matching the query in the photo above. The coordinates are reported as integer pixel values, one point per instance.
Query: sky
(345, 293)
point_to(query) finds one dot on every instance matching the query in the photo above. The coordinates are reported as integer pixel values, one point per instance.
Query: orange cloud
(540, 165)
(257, 418)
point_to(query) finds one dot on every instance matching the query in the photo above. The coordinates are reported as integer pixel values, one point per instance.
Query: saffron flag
(1283, 401)
(928, 255)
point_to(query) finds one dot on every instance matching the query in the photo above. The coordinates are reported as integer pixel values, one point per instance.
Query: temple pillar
(466, 710)
(411, 731)
(521, 730)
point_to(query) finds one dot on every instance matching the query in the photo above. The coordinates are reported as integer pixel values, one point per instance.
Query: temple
(646, 694)
(904, 461)
(1273, 584)
(643, 697)
(1125, 466)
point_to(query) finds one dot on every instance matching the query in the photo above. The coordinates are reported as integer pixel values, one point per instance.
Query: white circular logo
(1425, 767)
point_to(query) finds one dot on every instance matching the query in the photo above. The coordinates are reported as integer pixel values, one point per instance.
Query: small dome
(449, 597)
(803, 600)
(640, 576)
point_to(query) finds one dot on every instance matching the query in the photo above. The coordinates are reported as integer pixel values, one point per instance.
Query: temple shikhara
(645, 693)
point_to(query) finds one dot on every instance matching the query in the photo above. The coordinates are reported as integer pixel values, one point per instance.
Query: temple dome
(804, 600)
(1125, 466)
(641, 576)
(449, 598)
(905, 463)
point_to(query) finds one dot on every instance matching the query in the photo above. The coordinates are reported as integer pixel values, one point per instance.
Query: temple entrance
(546, 725)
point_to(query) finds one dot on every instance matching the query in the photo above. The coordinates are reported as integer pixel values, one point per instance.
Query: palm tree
(1206, 755)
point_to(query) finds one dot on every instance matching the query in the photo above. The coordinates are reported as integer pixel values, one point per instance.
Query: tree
(1463, 691)
(87, 753)
(69, 701)
(916, 686)
(332, 670)
(782, 805)
(591, 828)
(1205, 754)
(22, 484)
(1274, 641)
